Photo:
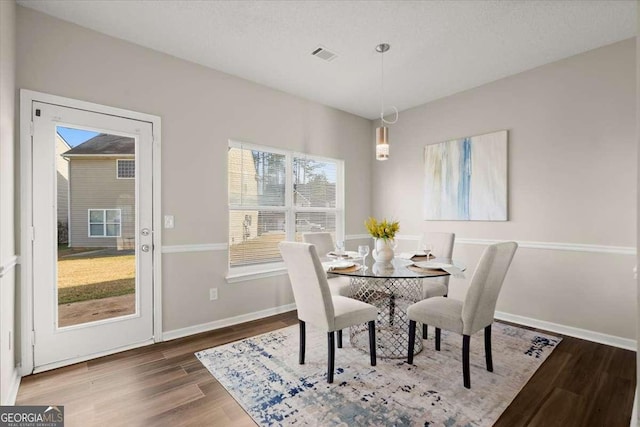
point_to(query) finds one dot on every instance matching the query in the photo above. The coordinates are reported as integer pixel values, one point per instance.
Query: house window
(277, 195)
(104, 222)
(126, 168)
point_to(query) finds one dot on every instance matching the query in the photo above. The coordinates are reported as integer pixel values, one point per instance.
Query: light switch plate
(168, 221)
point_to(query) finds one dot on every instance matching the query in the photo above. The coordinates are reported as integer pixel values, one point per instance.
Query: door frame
(27, 97)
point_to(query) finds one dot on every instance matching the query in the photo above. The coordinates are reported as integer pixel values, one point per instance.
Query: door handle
(145, 232)
(145, 248)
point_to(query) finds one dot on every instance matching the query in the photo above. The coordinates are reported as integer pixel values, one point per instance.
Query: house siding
(93, 185)
(243, 224)
(62, 167)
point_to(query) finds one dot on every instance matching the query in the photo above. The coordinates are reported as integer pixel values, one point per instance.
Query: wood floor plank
(581, 384)
(139, 386)
(204, 411)
(561, 408)
(146, 405)
(614, 406)
(620, 363)
(532, 396)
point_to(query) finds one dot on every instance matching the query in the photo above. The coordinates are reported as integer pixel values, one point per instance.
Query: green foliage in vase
(383, 229)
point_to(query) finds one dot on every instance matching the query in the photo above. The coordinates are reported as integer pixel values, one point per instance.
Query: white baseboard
(14, 385)
(584, 334)
(223, 323)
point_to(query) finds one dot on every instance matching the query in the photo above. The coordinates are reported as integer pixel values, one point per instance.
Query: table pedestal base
(391, 296)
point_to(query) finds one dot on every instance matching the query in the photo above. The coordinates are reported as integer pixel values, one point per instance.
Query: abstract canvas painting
(466, 178)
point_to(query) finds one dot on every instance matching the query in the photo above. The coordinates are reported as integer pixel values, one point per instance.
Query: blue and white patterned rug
(263, 375)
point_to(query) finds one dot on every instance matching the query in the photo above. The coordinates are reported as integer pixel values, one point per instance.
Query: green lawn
(84, 278)
(96, 291)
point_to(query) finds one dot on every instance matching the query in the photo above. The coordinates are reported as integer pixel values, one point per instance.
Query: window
(126, 169)
(277, 195)
(104, 222)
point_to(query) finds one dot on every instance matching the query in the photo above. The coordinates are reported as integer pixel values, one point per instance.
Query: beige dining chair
(339, 285)
(318, 307)
(442, 247)
(471, 315)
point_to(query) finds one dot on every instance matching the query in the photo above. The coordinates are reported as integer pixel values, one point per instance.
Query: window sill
(256, 274)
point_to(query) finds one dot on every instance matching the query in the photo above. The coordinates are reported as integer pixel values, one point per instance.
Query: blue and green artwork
(465, 179)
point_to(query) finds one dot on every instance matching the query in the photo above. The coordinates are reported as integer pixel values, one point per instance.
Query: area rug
(263, 375)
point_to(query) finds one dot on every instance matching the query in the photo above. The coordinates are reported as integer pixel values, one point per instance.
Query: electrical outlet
(213, 294)
(168, 221)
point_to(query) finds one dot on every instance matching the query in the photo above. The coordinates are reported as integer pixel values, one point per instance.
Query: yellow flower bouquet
(383, 229)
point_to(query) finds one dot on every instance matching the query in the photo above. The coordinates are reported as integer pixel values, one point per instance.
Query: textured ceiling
(437, 47)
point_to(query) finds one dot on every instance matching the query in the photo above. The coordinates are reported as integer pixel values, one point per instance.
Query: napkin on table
(454, 272)
(409, 255)
(406, 255)
(342, 255)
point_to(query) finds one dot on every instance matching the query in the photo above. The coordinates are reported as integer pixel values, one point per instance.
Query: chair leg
(332, 355)
(372, 342)
(340, 338)
(412, 340)
(437, 339)
(302, 341)
(487, 348)
(466, 377)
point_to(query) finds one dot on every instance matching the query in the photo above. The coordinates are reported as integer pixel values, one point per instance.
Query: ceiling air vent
(324, 53)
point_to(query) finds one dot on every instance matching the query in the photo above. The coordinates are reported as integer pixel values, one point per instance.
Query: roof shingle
(104, 144)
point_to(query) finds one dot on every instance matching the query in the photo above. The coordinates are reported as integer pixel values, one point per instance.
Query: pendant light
(382, 132)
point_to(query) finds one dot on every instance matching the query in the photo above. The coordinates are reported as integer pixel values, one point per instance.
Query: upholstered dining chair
(471, 315)
(322, 240)
(318, 307)
(339, 285)
(441, 247)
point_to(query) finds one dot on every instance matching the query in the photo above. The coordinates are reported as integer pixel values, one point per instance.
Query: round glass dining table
(391, 288)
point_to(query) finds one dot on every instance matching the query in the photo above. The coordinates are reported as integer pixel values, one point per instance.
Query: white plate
(342, 264)
(432, 265)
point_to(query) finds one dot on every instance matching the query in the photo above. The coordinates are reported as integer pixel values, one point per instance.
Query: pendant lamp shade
(382, 143)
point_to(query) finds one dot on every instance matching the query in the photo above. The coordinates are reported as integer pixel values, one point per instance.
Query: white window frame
(118, 169)
(248, 272)
(105, 223)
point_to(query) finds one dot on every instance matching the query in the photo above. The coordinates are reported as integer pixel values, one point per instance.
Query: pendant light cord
(382, 120)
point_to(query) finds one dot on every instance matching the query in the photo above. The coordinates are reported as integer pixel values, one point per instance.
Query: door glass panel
(96, 215)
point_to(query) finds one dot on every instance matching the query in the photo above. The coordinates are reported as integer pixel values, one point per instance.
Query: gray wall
(7, 193)
(572, 179)
(201, 109)
(572, 168)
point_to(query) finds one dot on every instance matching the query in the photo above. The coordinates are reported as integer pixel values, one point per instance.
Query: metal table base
(392, 296)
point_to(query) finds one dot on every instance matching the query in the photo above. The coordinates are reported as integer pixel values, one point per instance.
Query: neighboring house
(102, 192)
(243, 224)
(62, 181)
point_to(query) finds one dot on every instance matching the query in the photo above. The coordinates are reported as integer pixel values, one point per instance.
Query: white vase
(383, 252)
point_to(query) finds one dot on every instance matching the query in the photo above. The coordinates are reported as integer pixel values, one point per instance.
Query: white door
(92, 234)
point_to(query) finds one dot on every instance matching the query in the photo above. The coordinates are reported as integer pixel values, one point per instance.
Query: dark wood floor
(580, 384)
